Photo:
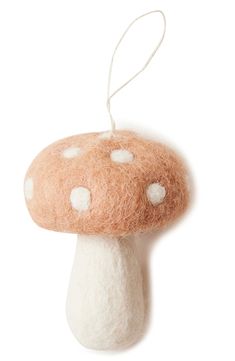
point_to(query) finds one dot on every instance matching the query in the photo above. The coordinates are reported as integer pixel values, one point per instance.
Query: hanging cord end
(113, 125)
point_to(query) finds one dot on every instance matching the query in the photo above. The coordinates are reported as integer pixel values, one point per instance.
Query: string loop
(110, 96)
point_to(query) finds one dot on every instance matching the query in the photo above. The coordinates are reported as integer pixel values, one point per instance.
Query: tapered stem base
(105, 306)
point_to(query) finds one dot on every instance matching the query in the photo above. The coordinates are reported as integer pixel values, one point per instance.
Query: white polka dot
(156, 193)
(72, 152)
(28, 189)
(121, 156)
(80, 199)
(106, 135)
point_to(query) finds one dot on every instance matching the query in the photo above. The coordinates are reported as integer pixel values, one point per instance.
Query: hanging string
(110, 96)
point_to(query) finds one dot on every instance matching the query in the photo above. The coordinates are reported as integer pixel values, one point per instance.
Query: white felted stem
(105, 306)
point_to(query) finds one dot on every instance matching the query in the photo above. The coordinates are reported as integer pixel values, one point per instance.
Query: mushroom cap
(106, 184)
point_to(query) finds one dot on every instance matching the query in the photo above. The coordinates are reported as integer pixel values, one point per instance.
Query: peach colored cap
(103, 183)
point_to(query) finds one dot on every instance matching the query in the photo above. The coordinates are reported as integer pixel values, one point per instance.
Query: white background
(54, 58)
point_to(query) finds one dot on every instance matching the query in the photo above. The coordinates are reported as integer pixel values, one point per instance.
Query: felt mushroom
(105, 187)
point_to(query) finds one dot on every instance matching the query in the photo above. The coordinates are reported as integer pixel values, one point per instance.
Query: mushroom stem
(105, 305)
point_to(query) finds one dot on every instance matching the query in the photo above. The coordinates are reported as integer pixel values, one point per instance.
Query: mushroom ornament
(105, 187)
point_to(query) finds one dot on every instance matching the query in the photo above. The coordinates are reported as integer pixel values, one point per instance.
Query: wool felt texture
(117, 198)
(105, 304)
